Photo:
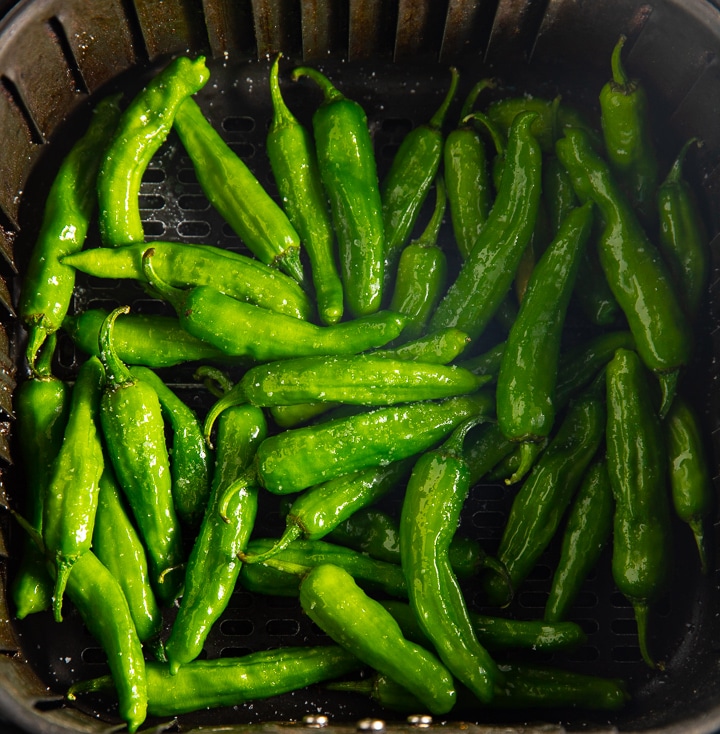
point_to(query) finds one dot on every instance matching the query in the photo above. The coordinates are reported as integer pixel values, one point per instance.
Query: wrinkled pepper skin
(361, 625)
(49, 283)
(349, 174)
(142, 128)
(637, 466)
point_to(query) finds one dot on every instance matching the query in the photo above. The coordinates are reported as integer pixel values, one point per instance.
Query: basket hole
(237, 627)
(532, 599)
(49, 704)
(389, 150)
(93, 656)
(151, 201)
(193, 203)
(282, 627)
(620, 601)
(589, 626)
(235, 652)
(187, 176)
(396, 126)
(540, 573)
(484, 519)
(149, 306)
(242, 600)
(154, 176)
(586, 600)
(624, 627)
(154, 228)
(238, 124)
(281, 602)
(626, 654)
(585, 654)
(243, 150)
(194, 229)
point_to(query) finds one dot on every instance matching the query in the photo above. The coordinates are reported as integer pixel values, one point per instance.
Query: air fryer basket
(59, 56)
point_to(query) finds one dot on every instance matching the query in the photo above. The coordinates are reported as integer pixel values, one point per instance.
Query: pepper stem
(495, 134)
(641, 617)
(41, 367)
(292, 532)
(295, 569)
(214, 379)
(235, 396)
(620, 77)
(675, 174)
(37, 334)
(453, 446)
(176, 297)
(429, 236)
(116, 370)
(474, 93)
(668, 389)
(282, 117)
(699, 533)
(330, 92)
(437, 120)
(103, 683)
(247, 479)
(63, 567)
(528, 451)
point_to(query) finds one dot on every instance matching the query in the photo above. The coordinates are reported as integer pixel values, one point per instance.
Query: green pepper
(118, 547)
(205, 684)
(152, 340)
(487, 274)
(465, 169)
(528, 370)
(683, 236)
(431, 508)
(361, 625)
(632, 265)
(542, 500)
(143, 127)
(183, 265)
(48, 283)
(243, 330)
(291, 152)
(587, 531)
(213, 565)
(134, 432)
(690, 475)
(498, 633)
(407, 183)
(41, 405)
(71, 494)
(349, 174)
(236, 194)
(421, 273)
(189, 461)
(627, 133)
(637, 465)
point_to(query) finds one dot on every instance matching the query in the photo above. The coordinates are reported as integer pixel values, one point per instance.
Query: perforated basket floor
(57, 57)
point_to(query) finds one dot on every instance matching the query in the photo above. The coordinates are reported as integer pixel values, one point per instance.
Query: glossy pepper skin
(682, 235)
(361, 625)
(487, 274)
(633, 266)
(118, 547)
(134, 432)
(291, 151)
(431, 509)
(689, 470)
(346, 159)
(587, 532)
(213, 565)
(206, 684)
(235, 192)
(243, 330)
(627, 133)
(190, 459)
(41, 405)
(542, 500)
(467, 177)
(48, 284)
(421, 273)
(183, 265)
(152, 340)
(409, 178)
(528, 370)
(143, 127)
(302, 457)
(71, 494)
(637, 466)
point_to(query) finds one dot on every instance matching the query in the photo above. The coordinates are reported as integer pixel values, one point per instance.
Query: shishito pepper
(291, 152)
(143, 127)
(431, 509)
(235, 192)
(361, 625)
(48, 283)
(632, 264)
(134, 432)
(349, 174)
(637, 466)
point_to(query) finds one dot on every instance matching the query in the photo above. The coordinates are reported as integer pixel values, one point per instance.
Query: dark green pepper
(291, 152)
(349, 174)
(134, 431)
(637, 465)
(361, 625)
(632, 265)
(143, 127)
(587, 531)
(213, 565)
(486, 276)
(235, 192)
(48, 284)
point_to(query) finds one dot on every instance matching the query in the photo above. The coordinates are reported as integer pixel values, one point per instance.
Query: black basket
(58, 56)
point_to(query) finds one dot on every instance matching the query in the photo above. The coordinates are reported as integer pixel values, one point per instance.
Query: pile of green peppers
(356, 356)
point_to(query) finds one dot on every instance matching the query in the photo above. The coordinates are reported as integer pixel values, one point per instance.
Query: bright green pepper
(143, 127)
(349, 174)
